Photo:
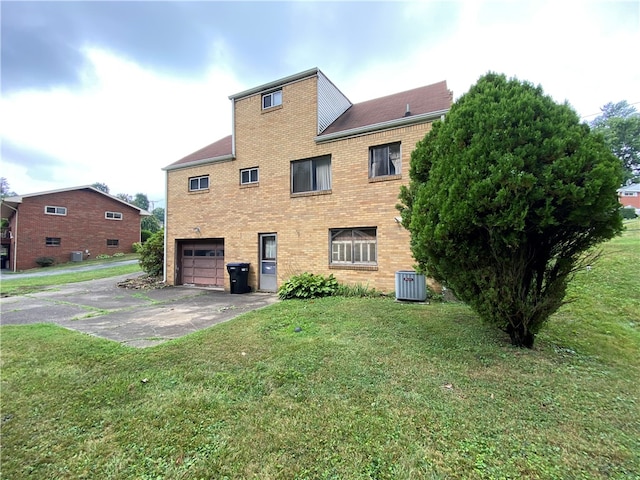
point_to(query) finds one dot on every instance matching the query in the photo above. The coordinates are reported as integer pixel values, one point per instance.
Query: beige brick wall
(271, 140)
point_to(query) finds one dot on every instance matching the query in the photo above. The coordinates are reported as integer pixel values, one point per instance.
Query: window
(351, 246)
(113, 242)
(113, 215)
(199, 183)
(248, 175)
(55, 210)
(311, 175)
(272, 99)
(629, 194)
(385, 160)
(52, 241)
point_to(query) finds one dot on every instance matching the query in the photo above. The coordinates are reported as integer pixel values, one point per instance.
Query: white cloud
(121, 128)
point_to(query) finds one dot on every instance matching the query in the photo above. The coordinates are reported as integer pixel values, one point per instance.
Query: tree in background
(159, 214)
(101, 186)
(150, 223)
(620, 126)
(125, 197)
(506, 196)
(5, 189)
(141, 201)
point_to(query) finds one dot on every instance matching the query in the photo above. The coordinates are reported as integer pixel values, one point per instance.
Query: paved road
(138, 318)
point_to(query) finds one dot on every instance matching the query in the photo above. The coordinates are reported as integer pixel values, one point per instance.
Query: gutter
(390, 124)
(203, 161)
(276, 83)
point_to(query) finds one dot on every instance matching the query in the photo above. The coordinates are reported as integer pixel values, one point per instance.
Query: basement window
(113, 242)
(52, 241)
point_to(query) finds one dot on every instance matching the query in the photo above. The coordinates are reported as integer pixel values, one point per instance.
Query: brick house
(307, 181)
(629, 196)
(59, 222)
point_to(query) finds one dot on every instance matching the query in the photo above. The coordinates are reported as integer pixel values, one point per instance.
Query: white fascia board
(276, 83)
(376, 127)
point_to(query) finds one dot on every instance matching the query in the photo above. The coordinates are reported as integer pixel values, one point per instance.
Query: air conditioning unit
(411, 285)
(76, 256)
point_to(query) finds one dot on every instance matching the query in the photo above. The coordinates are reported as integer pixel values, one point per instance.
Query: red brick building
(68, 224)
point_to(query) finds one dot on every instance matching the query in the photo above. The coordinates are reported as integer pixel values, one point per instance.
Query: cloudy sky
(111, 92)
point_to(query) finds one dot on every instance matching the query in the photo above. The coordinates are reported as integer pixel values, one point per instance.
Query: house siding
(270, 140)
(83, 228)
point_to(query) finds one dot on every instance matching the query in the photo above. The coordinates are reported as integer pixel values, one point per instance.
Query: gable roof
(634, 187)
(430, 101)
(9, 204)
(424, 103)
(219, 150)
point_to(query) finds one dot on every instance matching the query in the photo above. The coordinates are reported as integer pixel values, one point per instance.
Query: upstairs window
(55, 210)
(353, 246)
(248, 176)
(385, 160)
(311, 175)
(113, 215)
(272, 99)
(199, 183)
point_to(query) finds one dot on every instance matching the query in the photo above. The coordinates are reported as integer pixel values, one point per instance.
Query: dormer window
(272, 99)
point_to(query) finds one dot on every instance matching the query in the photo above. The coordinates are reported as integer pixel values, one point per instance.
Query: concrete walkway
(138, 318)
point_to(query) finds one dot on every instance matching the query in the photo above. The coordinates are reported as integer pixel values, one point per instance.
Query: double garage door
(203, 263)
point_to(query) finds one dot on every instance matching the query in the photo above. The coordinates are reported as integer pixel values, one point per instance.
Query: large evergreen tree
(506, 196)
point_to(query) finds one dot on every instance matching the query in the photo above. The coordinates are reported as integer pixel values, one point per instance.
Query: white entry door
(268, 262)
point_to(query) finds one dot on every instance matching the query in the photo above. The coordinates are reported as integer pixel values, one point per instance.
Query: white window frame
(629, 194)
(271, 99)
(198, 179)
(249, 172)
(317, 180)
(53, 241)
(113, 215)
(392, 160)
(111, 244)
(56, 210)
(360, 249)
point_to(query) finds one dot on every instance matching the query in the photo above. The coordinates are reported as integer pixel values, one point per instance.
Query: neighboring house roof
(374, 113)
(634, 187)
(9, 204)
(218, 150)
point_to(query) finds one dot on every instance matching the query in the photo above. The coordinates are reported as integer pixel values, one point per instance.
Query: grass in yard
(21, 286)
(367, 389)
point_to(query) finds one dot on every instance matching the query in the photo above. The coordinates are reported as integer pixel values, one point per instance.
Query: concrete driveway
(138, 318)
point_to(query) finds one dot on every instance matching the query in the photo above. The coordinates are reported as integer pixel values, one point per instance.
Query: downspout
(233, 128)
(166, 208)
(14, 253)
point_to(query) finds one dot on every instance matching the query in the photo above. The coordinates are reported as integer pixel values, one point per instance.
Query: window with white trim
(629, 194)
(113, 242)
(199, 183)
(113, 215)
(385, 160)
(311, 175)
(271, 99)
(248, 176)
(52, 241)
(50, 210)
(353, 246)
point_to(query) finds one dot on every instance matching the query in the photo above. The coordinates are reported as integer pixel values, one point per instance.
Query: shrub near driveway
(367, 388)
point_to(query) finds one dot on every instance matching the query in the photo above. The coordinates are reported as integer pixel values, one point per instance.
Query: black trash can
(239, 275)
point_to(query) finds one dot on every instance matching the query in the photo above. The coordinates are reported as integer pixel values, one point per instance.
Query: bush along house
(70, 224)
(306, 182)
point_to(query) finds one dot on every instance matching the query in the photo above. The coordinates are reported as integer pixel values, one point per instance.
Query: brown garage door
(203, 263)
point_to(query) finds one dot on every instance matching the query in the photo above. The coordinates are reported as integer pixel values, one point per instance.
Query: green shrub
(102, 256)
(136, 247)
(145, 235)
(628, 213)
(308, 285)
(152, 254)
(118, 254)
(45, 261)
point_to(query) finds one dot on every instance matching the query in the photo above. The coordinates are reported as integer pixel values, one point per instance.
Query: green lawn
(368, 389)
(21, 286)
